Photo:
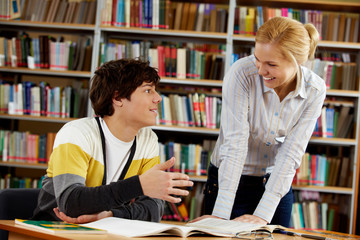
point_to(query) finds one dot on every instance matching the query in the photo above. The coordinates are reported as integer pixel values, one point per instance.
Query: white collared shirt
(259, 134)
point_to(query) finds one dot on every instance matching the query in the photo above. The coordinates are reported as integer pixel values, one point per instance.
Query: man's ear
(117, 103)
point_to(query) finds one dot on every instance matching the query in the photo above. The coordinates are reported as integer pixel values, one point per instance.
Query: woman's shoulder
(313, 80)
(244, 66)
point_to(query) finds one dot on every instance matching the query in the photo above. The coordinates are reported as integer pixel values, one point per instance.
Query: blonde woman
(270, 106)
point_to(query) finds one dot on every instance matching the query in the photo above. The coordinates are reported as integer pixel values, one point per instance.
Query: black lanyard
(132, 152)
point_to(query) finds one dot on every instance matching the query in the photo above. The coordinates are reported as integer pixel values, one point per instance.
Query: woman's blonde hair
(295, 40)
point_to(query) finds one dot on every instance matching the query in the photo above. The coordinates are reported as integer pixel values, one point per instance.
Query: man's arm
(143, 208)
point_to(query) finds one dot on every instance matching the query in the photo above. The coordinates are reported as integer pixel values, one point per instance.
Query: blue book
(150, 13)
(330, 113)
(120, 17)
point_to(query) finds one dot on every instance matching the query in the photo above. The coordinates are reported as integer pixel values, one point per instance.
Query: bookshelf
(101, 32)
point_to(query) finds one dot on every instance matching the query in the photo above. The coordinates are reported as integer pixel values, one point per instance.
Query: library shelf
(168, 32)
(327, 44)
(47, 72)
(36, 118)
(324, 189)
(24, 165)
(192, 82)
(100, 34)
(39, 25)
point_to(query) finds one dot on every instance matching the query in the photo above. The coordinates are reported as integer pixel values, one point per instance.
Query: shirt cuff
(224, 204)
(267, 206)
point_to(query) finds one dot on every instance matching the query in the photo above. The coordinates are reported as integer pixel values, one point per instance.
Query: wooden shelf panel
(36, 118)
(324, 189)
(323, 5)
(198, 130)
(58, 26)
(24, 165)
(327, 44)
(47, 72)
(168, 32)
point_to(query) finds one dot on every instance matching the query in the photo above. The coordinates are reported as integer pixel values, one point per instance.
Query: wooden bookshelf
(101, 33)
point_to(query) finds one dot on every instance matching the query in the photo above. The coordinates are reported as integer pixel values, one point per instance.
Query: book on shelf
(209, 226)
(59, 227)
(332, 26)
(10, 9)
(314, 210)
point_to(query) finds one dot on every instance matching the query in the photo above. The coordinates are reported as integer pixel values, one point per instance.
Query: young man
(108, 165)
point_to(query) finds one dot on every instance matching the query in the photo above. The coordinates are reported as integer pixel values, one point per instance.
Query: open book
(212, 226)
(58, 227)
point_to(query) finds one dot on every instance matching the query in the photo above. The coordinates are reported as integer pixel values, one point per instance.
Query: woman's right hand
(156, 183)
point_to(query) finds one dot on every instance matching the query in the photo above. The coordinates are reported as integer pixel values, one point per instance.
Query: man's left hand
(82, 218)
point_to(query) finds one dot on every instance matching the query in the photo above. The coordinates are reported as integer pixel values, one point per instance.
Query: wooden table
(22, 232)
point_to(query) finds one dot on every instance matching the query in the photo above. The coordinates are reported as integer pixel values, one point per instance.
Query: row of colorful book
(8, 181)
(60, 11)
(178, 60)
(164, 14)
(29, 98)
(337, 75)
(46, 52)
(336, 120)
(332, 26)
(195, 109)
(321, 170)
(25, 147)
(191, 159)
(175, 212)
(314, 210)
(191, 206)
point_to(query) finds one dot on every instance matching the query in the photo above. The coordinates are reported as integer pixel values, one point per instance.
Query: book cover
(59, 227)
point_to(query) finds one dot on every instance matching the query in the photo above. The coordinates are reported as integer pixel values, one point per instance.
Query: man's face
(142, 108)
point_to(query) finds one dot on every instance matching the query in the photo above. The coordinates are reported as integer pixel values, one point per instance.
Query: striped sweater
(74, 179)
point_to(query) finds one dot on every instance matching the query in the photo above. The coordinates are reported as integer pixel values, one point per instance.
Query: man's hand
(156, 183)
(83, 218)
(203, 217)
(251, 219)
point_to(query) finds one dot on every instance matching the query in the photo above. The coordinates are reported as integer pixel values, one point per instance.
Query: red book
(161, 60)
(173, 59)
(167, 61)
(114, 12)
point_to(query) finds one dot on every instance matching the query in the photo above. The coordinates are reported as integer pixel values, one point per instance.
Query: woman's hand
(82, 218)
(251, 219)
(203, 217)
(156, 183)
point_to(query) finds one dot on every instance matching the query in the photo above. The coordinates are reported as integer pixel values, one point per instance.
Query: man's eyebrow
(148, 85)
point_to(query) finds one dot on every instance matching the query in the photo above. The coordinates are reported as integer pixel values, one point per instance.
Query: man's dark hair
(119, 79)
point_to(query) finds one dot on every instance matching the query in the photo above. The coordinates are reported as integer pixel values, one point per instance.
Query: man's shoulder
(146, 133)
(82, 125)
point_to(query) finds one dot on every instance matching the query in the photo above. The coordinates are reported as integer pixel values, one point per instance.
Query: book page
(137, 228)
(226, 225)
(134, 228)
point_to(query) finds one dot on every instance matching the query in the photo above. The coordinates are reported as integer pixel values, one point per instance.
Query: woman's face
(277, 71)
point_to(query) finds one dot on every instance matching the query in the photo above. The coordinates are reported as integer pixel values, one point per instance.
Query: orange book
(178, 15)
(50, 138)
(342, 23)
(192, 16)
(185, 16)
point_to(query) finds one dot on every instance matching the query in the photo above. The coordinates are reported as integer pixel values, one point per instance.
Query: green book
(59, 227)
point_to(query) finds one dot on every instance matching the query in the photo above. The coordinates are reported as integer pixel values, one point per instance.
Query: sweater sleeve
(143, 208)
(78, 200)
